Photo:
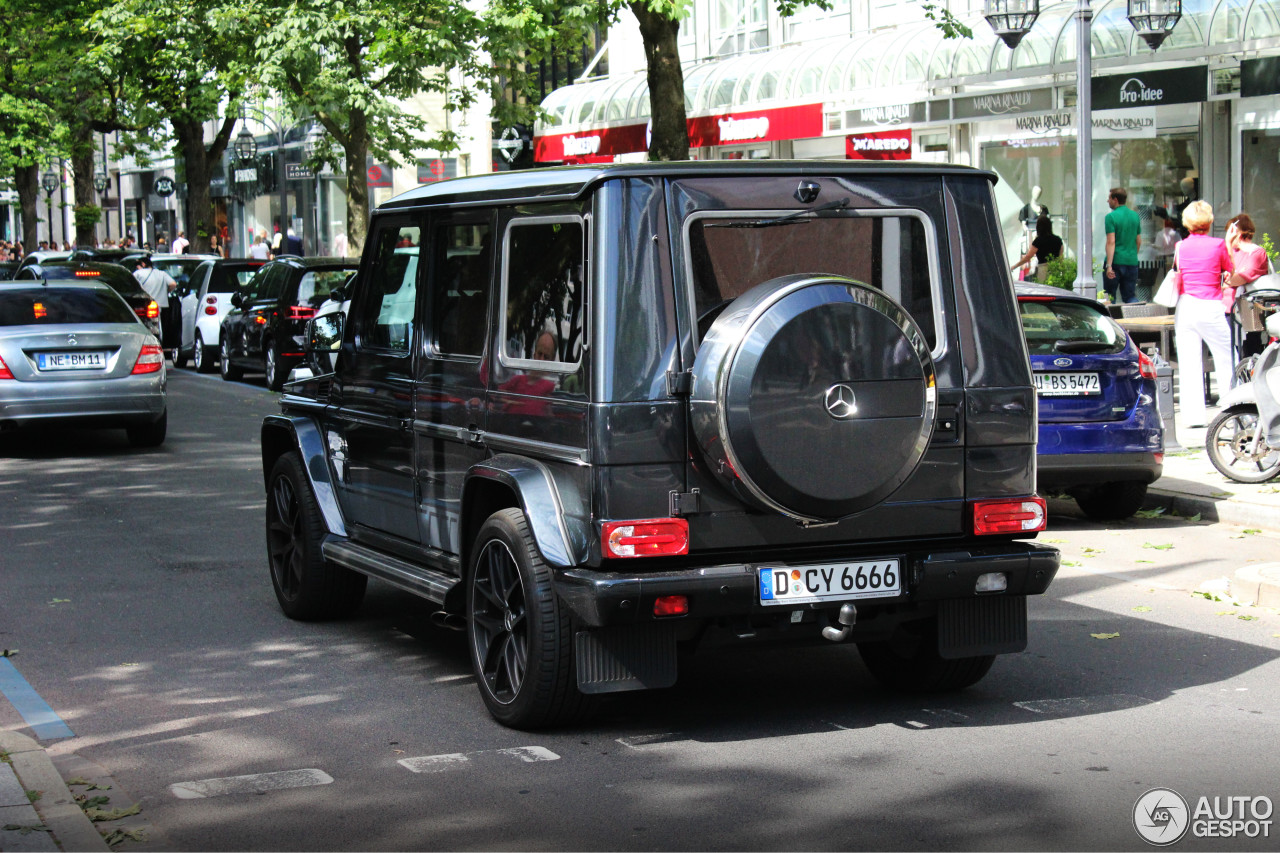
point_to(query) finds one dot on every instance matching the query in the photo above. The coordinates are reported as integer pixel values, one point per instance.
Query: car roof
(169, 256)
(1044, 290)
(55, 284)
(562, 183)
(107, 270)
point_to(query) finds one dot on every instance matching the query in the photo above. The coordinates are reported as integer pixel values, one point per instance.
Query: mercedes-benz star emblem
(71, 340)
(840, 402)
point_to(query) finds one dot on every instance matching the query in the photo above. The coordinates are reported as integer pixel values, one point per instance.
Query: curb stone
(66, 821)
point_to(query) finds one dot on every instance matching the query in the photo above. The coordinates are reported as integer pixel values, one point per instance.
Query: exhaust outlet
(451, 621)
(847, 617)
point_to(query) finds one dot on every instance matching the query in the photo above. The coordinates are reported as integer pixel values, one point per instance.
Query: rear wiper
(1082, 346)
(797, 218)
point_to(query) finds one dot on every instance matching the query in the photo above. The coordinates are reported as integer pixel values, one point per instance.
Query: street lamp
(251, 145)
(245, 146)
(1011, 19)
(50, 183)
(1154, 20)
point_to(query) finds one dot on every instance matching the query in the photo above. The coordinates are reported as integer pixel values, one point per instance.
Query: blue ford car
(1100, 437)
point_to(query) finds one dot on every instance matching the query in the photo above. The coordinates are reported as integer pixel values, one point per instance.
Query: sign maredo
(600, 146)
(880, 145)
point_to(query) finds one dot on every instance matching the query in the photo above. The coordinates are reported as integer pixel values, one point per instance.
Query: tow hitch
(847, 617)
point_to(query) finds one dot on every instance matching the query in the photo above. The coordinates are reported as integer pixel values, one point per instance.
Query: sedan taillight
(1146, 366)
(150, 359)
(5, 372)
(150, 312)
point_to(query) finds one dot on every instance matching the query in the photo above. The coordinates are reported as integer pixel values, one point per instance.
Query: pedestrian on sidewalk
(1202, 260)
(1251, 264)
(158, 284)
(1124, 239)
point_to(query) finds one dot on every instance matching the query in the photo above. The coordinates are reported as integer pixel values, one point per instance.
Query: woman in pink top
(1199, 317)
(1251, 264)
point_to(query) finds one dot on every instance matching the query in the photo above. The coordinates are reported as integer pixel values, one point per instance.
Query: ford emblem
(1062, 362)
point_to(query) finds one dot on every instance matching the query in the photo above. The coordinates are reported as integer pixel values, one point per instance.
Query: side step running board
(419, 580)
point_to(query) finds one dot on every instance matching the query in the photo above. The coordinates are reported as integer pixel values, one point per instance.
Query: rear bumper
(600, 599)
(127, 400)
(1065, 471)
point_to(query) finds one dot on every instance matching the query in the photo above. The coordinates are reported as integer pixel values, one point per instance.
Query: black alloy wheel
(520, 637)
(271, 366)
(306, 586)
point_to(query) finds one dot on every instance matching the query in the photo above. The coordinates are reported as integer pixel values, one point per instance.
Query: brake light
(210, 310)
(5, 372)
(87, 273)
(150, 359)
(259, 319)
(301, 312)
(1146, 367)
(151, 312)
(1022, 515)
(1036, 298)
(653, 537)
(39, 310)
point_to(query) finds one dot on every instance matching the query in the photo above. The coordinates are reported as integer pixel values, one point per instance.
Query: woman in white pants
(1200, 316)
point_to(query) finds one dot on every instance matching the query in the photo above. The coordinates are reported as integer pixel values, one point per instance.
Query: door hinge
(679, 384)
(685, 503)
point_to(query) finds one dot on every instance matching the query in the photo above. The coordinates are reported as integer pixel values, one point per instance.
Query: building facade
(1199, 118)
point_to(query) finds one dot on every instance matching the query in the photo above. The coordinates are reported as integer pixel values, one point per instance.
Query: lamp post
(1153, 20)
(50, 183)
(280, 131)
(100, 183)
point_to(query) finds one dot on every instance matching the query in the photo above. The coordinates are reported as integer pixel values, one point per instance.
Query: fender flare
(280, 434)
(564, 540)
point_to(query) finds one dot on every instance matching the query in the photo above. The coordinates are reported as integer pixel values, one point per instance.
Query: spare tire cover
(813, 396)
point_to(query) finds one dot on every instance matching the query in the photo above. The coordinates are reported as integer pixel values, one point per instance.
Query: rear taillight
(210, 310)
(653, 537)
(301, 312)
(150, 359)
(150, 312)
(1022, 515)
(87, 273)
(5, 372)
(1146, 366)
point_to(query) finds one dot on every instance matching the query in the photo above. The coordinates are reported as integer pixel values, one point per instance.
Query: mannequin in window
(1032, 210)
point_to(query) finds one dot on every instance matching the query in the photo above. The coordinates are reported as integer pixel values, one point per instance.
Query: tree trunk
(82, 184)
(199, 169)
(670, 138)
(26, 180)
(357, 151)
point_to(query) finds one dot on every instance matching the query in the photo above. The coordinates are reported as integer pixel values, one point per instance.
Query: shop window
(738, 26)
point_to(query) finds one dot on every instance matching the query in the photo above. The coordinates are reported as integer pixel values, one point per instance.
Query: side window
(273, 284)
(254, 286)
(460, 288)
(543, 318)
(383, 318)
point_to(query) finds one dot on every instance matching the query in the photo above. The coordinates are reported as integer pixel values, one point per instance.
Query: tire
(273, 368)
(1110, 501)
(1228, 441)
(178, 357)
(149, 434)
(1242, 374)
(307, 587)
(202, 355)
(521, 640)
(910, 662)
(229, 371)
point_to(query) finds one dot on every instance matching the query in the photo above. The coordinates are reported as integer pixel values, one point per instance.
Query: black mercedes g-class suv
(601, 413)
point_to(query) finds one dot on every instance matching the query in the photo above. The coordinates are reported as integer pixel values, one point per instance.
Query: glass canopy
(908, 58)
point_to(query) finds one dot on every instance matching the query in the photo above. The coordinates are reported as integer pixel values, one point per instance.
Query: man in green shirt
(1123, 242)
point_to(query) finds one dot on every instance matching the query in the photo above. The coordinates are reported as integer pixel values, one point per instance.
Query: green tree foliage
(351, 64)
(184, 62)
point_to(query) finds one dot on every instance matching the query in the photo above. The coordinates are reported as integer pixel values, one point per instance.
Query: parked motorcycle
(1243, 441)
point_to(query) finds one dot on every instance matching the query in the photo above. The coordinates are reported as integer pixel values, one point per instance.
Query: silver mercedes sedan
(75, 353)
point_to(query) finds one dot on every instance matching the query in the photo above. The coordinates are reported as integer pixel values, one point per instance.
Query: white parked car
(209, 300)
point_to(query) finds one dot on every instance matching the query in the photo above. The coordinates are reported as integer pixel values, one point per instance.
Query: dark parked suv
(602, 414)
(264, 328)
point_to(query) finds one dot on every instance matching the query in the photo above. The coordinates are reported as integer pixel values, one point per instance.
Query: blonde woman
(1199, 317)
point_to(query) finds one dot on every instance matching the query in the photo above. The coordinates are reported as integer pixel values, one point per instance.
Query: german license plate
(1067, 384)
(836, 582)
(88, 360)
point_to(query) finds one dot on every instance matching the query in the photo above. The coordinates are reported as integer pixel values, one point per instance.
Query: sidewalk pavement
(1191, 485)
(54, 820)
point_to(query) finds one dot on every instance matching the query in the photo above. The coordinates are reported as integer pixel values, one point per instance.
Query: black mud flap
(626, 657)
(970, 627)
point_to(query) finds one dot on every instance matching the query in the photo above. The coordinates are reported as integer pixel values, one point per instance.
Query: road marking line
(43, 720)
(916, 725)
(946, 714)
(254, 783)
(645, 741)
(1079, 705)
(445, 761)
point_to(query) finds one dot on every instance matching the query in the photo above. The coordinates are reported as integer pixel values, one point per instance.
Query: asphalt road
(133, 585)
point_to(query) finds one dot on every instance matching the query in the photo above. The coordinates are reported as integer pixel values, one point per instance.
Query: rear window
(117, 278)
(730, 254)
(316, 285)
(39, 306)
(232, 278)
(180, 271)
(1061, 325)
